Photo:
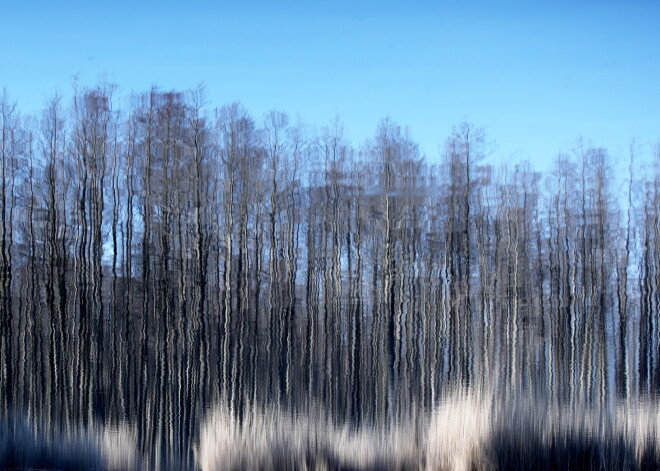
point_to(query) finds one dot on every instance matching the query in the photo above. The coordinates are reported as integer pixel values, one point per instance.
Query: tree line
(160, 258)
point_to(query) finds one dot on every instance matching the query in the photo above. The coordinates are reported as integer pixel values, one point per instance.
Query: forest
(165, 257)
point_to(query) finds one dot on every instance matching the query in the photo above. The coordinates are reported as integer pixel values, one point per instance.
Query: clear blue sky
(536, 74)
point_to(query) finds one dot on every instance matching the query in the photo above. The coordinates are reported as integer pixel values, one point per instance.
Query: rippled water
(167, 398)
(175, 294)
(466, 431)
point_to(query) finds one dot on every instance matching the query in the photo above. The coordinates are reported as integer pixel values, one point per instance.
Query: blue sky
(535, 74)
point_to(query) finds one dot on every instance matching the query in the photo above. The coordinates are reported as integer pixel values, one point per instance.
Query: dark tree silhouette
(157, 260)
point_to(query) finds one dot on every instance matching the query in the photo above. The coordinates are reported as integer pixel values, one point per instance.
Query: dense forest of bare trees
(160, 258)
